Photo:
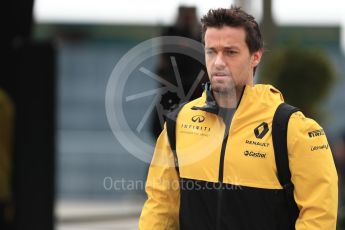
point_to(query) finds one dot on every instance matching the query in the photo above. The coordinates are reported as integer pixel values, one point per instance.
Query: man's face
(228, 60)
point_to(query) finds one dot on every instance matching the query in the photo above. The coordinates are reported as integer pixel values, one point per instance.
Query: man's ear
(256, 57)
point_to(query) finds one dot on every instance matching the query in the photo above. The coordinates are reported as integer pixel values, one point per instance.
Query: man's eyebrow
(224, 48)
(231, 47)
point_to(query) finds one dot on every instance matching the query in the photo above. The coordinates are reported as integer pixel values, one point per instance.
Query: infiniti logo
(198, 118)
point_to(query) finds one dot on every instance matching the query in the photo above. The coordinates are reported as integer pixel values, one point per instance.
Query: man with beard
(221, 171)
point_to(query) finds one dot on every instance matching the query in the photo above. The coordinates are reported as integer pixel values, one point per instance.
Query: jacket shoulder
(265, 94)
(300, 123)
(305, 133)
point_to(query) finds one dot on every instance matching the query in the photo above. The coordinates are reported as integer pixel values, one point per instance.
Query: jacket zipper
(220, 177)
(221, 164)
(222, 155)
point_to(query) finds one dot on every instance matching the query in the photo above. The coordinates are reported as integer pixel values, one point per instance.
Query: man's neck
(228, 99)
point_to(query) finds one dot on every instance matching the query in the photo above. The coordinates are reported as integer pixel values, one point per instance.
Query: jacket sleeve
(313, 174)
(161, 209)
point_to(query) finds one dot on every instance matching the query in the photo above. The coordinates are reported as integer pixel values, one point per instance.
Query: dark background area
(28, 77)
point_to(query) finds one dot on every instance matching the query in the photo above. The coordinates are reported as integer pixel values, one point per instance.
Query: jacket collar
(211, 105)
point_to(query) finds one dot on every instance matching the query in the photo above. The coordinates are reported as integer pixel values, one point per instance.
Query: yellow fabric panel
(258, 105)
(199, 145)
(259, 172)
(161, 208)
(313, 174)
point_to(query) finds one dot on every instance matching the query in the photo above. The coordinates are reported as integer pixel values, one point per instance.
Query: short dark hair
(234, 17)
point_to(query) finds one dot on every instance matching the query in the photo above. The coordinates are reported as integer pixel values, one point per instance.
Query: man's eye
(209, 52)
(231, 52)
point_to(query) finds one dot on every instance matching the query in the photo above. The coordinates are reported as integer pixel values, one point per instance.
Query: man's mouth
(220, 74)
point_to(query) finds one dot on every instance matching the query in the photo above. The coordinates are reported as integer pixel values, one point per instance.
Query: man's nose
(219, 62)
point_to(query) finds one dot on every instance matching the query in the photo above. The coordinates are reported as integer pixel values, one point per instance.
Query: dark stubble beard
(228, 90)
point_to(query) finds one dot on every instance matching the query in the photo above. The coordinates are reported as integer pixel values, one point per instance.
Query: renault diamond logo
(261, 130)
(198, 118)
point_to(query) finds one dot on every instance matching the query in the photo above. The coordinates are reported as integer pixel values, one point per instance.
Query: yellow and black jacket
(227, 175)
